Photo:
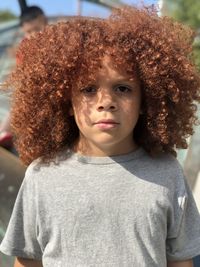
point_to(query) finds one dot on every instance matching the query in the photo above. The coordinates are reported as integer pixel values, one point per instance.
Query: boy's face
(106, 113)
(35, 25)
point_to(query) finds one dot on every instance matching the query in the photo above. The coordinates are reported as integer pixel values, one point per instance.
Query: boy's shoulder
(40, 170)
(163, 169)
(162, 161)
(38, 165)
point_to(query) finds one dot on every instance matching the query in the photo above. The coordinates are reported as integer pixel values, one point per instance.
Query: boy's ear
(71, 111)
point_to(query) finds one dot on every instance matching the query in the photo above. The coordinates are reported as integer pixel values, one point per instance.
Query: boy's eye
(89, 90)
(122, 88)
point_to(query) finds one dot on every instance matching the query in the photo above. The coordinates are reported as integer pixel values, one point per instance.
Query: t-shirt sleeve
(21, 235)
(183, 240)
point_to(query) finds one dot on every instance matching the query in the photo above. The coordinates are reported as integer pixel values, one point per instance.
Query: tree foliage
(188, 12)
(6, 15)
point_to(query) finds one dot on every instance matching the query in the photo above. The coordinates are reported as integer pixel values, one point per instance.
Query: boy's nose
(106, 101)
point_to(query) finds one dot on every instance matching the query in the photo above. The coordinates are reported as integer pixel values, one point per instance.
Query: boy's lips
(106, 124)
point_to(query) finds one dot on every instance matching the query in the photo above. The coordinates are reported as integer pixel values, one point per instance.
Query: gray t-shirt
(129, 210)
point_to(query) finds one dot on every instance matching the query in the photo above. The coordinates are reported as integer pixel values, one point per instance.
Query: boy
(99, 107)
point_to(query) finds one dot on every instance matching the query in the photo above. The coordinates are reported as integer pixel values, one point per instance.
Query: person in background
(33, 19)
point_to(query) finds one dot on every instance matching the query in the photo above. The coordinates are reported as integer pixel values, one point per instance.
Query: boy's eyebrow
(122, 77)
(126, 80)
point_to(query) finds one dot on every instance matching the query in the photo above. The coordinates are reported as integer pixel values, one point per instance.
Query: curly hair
(66, 56)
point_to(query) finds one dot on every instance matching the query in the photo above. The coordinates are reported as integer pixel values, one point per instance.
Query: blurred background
(11, 33)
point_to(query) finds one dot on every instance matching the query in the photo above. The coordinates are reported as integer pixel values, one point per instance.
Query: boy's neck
(88, 149)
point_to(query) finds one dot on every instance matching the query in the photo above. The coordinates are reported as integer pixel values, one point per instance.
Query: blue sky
(65, 7)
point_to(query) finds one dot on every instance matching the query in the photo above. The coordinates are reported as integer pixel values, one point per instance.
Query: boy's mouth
(106, 124)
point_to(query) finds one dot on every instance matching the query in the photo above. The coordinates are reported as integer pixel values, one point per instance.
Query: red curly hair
(67, 55)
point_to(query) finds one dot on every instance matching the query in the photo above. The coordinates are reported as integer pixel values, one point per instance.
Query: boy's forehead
(108, 69)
